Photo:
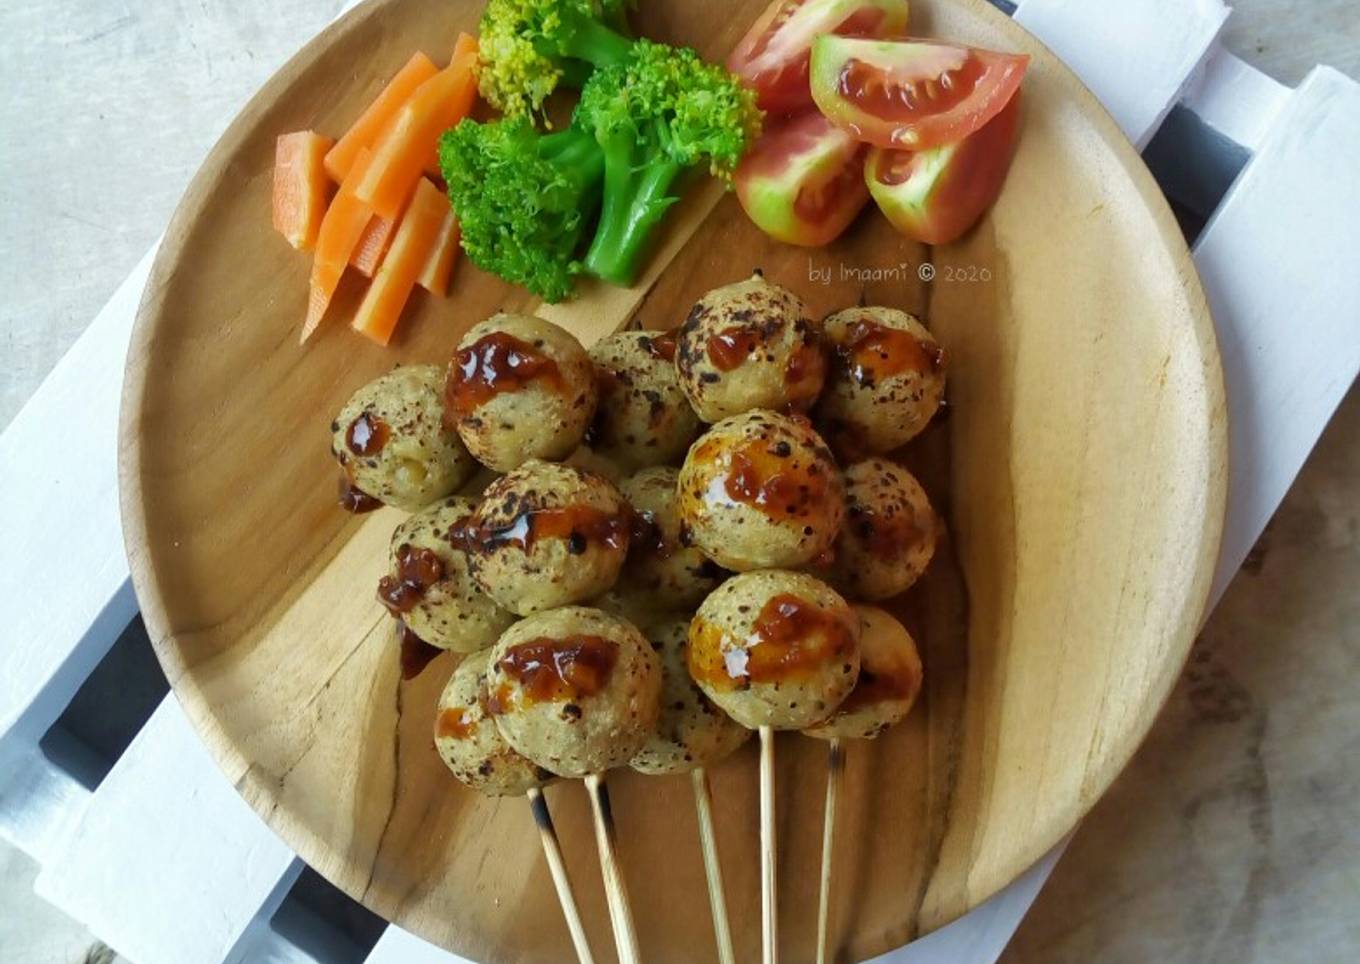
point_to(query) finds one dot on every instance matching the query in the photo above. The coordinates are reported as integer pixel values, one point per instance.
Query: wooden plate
(1081, 471)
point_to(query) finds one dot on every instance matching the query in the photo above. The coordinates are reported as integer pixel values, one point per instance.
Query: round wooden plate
(1081, 471)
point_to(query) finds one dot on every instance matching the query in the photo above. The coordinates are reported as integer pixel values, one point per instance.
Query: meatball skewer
(577, 691)
(474, 750)
(777, 651)
(889, 680)
(691, 733)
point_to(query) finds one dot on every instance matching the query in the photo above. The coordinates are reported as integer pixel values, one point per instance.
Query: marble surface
(1235, 834)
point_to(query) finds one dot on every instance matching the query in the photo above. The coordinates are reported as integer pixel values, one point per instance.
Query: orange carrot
(411, 249)
(407, 144)
(434, 277)
(368, 253)
(340, 231)
(300, 186)
(365, 130)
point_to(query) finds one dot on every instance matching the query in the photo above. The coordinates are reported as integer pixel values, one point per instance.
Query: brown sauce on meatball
(456, 722)
(886, 537)
(790, 639)
(729, 348)
(897, 683)
(416, 654)
(354, 499)
(417, 571)
(556, 670)
(367, 434)
(579, 525)
(646, 537)
(767, 477)
(872, 351)
(661, 346)
(495, 363)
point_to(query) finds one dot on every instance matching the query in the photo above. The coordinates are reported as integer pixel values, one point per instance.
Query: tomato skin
(773, 57)
(803, 182)
(912, 95)
(935, 196)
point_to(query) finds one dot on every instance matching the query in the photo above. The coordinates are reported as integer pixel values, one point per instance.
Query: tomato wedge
(773, 56)
(914, 94)
(803, 180)
(935, 196)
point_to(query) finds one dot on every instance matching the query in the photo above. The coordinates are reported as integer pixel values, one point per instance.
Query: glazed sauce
(367, 435)
(804, 374)
(886, 538)
(878, 92)
(646, 537)
(767, 478)
(606, 385)
(417, 571)
(456, 722)
(661, 346)
(579, 525)
(790, 639)
(354, 499)
(872, 351)
(557, 670)
(894, 683)
(496, 363)
(416, 654)
(729, 348)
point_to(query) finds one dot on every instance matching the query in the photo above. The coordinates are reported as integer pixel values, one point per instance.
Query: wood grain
(1081, 471)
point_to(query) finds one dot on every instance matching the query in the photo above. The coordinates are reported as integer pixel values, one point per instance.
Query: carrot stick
(406, 145)
(434, 277)
(365, 130)
(373, 243)
(341, 228)
(301, 188)
(416, 236)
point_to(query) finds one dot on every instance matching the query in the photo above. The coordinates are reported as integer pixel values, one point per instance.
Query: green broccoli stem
(594, 42)
(635, 200)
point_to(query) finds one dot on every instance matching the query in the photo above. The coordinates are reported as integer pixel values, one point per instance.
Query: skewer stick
(620, 914)
(769, 907)
(717, 897)
(552, 852)
(835, 766)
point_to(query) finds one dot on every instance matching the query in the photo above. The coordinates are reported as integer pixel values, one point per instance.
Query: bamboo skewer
(769, 905)
(616, 891)
(717, 896)
(552, 852)
(835, 763)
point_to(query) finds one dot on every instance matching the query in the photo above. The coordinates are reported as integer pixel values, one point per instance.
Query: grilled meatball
(643, 417)
(392, 444)
(469, 742)
(889, 679)
(429, 586)
(519, 388)
(663, 571)
(885, 383)
(761, 490)
(775, 648)
(690, 731)
(575, 690)
(749, 345)
(889, 533)
(546, 535)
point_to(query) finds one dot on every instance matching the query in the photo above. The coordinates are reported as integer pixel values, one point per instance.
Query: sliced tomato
(803, 180)
(935, 196)
(773, 56)
(913, 94)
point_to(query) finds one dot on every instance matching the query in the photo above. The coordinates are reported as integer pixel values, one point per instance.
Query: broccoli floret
(656, 114)
(528, 46)
(524, 200)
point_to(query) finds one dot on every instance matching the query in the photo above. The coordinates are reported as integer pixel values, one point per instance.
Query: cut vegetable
(434, 277)
(341, 229)
(376, 117)
(301, 188)
(406, 146)
(373, 243)
(417, 235)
